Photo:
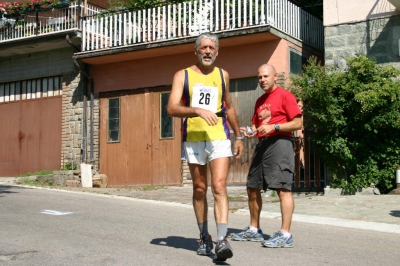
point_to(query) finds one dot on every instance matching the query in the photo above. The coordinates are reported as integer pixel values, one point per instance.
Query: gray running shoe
(278, 240)
(248, 235)
(205, 245)
(223, 250)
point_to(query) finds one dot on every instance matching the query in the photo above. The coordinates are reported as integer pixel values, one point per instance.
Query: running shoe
(223, 250)
(205, 245)
(279, 240)
(248, 235)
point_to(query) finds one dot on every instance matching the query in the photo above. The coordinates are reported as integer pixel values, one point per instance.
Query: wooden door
(122, 154)
(139, 156)
(244, 93)
(166, 144)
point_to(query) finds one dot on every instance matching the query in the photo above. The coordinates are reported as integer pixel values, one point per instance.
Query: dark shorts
(273, 164)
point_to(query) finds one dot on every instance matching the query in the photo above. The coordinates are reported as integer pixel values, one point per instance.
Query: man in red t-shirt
(276, 116)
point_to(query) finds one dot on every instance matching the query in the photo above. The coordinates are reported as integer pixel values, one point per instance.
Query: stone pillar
(72, 106)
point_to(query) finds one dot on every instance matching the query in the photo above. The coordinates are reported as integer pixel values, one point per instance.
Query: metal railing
(310, 170)
(44, 22)
(192, 18)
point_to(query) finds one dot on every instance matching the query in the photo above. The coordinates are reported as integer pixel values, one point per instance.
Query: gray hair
(207, 35)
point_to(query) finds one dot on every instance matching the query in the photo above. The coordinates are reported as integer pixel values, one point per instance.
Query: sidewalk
(370, 212)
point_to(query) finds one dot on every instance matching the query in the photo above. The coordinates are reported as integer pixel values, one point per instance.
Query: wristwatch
(277, 127)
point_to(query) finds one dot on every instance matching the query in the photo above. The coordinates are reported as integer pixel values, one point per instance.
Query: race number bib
(205, 97)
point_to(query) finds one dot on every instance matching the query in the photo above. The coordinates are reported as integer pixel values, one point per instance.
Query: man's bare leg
(253, 232)
(283, 237)
(200, 206)
(219, 173)
(199, 178)
(287, 208)
(255, 206)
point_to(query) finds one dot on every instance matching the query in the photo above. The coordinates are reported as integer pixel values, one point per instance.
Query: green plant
(353, 118)
(233, 210)
(273, 193)
(152, 187)
(47, 29)
(235, 198)
(141, 188)
(70, 166)
(42, 172)
(144, 4)
(15, 9)
(31, 182)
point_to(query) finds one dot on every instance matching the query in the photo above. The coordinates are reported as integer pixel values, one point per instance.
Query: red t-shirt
(278, 107)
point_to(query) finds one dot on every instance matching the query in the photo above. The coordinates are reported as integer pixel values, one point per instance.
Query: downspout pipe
(84, 114)
(88, 90)
(84, 70)
(91, 118)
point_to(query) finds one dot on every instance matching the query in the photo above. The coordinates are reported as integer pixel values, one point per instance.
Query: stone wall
(72, 149)
(378, 38)
(72, 119)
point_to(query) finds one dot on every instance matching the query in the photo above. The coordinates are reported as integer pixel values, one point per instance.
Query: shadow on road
(184, 243)
(6, 190)
(177, 242)
(395, 213)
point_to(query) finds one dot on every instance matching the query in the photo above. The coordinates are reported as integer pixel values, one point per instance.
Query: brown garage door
(31, 113)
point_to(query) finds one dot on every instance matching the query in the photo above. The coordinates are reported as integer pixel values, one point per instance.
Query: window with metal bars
(113, 122)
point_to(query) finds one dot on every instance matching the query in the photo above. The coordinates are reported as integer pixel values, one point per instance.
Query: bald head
(267, 77)
(268, 67)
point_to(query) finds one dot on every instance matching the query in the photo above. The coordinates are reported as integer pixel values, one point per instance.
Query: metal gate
(310, 170)
(30, 115)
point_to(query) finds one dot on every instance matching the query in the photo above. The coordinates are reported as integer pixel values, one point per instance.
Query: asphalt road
(44, 227)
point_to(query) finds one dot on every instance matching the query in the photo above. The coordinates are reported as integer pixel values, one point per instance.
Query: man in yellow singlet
(200, 95)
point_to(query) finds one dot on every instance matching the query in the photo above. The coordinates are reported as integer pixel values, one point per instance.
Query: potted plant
(15, 9)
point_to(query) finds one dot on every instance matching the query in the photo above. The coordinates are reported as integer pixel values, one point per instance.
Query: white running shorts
(201, 152)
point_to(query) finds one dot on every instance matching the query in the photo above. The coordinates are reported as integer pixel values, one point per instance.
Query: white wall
(344, 11)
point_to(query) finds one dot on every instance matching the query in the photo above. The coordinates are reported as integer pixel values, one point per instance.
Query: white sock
(286, 234)
(253, 229)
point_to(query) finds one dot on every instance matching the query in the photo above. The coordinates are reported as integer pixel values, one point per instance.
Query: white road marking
(51, 212)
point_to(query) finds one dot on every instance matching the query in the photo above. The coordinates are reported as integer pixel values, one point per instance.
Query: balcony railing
(168, 22)
(44, 22)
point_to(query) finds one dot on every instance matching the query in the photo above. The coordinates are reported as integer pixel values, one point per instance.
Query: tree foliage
(353, 117)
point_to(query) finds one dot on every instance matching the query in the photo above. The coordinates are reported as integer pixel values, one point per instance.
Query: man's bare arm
(238, 147)
(293, 125)
(175, 108)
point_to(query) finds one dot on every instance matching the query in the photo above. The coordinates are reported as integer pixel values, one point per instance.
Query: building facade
(113, 74)
(133, 56)
(367, 27)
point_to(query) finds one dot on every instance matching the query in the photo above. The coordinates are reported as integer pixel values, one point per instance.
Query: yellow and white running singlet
(207, 92)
